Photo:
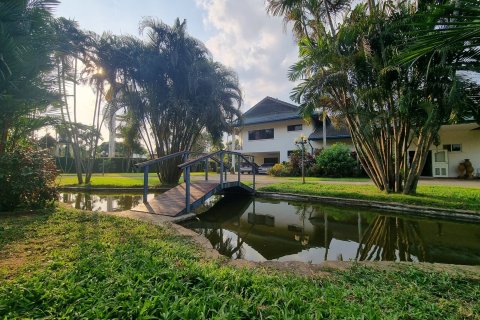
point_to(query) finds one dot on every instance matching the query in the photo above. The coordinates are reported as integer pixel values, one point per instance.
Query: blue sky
(239, 34)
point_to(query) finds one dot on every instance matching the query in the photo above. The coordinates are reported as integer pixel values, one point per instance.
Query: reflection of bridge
(189, 195)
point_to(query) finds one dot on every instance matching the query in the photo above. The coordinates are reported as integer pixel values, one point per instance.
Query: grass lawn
(312, 179)
(435, 196)
(114, 179)
(71, 264)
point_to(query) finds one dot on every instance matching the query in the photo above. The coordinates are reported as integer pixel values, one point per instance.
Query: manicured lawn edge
(112, 188)
(456, 214)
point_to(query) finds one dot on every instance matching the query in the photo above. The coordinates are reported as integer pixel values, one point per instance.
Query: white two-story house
(270, 128)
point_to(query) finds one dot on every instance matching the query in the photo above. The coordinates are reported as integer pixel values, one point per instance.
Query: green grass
(71, 264)
(436, 196)
(312, 179)
(118, 180)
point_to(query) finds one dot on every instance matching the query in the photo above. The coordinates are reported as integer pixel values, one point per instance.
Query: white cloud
(253, 43)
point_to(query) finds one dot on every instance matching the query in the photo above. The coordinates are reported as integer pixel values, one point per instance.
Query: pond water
(102, 202)
(262, 229)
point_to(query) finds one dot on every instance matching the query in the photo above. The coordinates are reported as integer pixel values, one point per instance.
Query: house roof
(270, 110)
(332, 132)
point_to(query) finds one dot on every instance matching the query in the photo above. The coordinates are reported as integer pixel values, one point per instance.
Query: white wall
(470, 141)
(282, 142)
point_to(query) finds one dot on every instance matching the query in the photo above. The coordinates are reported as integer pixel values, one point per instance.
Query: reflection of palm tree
(386, 236)
(224, 246)
(126, 202)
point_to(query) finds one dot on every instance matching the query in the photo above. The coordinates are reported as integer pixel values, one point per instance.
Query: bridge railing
(146, 166)
(186, 166)
(218, 157)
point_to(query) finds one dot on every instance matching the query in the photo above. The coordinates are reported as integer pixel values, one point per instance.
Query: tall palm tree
(385, 107)
(308, 17)
(174, 90)
(70, 50)
(25, 52)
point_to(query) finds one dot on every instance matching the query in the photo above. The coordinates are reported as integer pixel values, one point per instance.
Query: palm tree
(174, 90)
(453, 26)
(385, 107)
(70, 50)
(308, 17)
(25, 52)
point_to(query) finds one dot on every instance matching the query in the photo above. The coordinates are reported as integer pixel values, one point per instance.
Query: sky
(239, 33)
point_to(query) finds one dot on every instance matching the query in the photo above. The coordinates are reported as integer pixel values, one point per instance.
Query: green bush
(280, 170)
(27, 179)
(336, 161)
(295, 163)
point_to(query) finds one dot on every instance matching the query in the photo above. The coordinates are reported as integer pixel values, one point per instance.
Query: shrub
(296, 163)
(337, 161)
(27, 179)
(280, 170)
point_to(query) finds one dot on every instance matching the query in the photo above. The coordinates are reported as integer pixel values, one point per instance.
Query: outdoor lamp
(302, 141)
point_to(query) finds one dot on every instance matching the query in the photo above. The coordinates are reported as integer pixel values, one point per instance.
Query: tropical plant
(387, 108)
(451, 26)
(172, 89)
(70, 53)
(25, 61)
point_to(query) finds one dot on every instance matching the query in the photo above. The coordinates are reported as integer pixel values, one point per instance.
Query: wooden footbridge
(190, 195)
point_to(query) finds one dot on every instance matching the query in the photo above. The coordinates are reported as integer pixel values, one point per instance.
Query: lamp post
(103, 154)
(302, 141)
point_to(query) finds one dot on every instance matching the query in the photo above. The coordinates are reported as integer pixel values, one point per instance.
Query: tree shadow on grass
(18, 226)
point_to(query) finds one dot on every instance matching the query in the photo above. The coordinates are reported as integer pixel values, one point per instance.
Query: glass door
(440, 163)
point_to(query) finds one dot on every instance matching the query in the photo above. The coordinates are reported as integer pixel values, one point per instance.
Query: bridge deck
(172, 202)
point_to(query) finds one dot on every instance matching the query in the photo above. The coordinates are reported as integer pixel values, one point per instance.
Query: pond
(260, 229)
(106, 202)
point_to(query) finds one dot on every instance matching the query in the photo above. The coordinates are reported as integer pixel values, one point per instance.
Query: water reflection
(101, 202)
(261, 229)
(392, 239)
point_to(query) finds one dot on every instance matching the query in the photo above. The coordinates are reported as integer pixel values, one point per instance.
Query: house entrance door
(440, 163)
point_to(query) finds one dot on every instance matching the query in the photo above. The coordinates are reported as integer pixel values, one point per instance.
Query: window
(270, 160)
(289, 152)
(260, 134)
(453, 147)
(294, 127)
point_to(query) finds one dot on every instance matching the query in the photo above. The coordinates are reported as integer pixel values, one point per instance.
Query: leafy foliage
(280, 170)
(171, 88)
(25, 60)
(337, 161)
(27, 179)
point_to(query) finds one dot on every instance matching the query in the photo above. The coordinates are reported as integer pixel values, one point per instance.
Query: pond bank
(456, 214)
(294, 267)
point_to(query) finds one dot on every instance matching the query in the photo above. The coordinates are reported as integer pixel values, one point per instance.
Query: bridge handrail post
(253, 170)
(145, 183)
(184, 159)
(187, 189)
(221, 169)
(206, 169)
(238, 168)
